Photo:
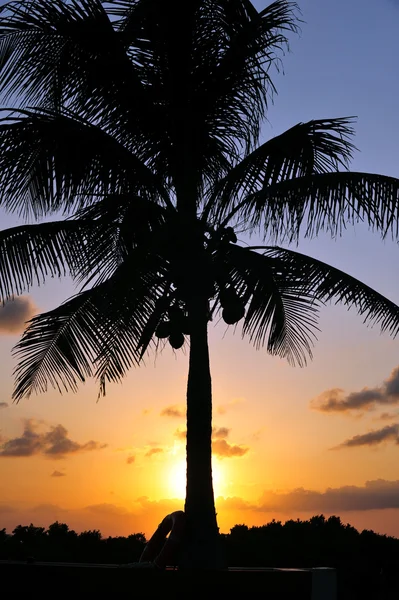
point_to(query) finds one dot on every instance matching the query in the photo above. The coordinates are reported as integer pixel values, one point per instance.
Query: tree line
(319, 541)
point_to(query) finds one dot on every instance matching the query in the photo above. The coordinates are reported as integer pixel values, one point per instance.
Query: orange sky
(118, 465)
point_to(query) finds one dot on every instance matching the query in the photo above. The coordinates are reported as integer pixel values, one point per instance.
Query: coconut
(163, 329)
(176, 340)
(228, 296)
(233, 313)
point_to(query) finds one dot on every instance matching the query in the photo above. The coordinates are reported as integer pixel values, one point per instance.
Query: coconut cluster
(174, 327)
(233, 307)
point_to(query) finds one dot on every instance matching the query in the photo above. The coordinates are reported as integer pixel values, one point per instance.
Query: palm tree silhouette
(136, 124)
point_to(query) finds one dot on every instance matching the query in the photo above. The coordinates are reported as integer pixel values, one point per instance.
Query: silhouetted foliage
(366, 562)
(59, 543)
(316, 542)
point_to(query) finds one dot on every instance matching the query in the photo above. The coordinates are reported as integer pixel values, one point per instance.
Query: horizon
(287, 442)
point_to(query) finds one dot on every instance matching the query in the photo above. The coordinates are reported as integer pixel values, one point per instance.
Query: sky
(287, 442)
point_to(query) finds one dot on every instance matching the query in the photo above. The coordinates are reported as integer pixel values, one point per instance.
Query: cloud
(173, 411)
(378, 494)
(223, 408)
(180, 434)
(15, 313)
(335, 400)
(6, 508)
(54, 443)
(387, 416)
(3, 405)
(220, 432)
(220, 447)
(153, 451)
(373, 438)
(107, 509)
(256, 436)
(223, 449)
(57, 474)
(234, 503)
(130, 459)
(217, 433)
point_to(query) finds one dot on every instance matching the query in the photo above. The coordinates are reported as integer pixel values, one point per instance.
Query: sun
(177, 479)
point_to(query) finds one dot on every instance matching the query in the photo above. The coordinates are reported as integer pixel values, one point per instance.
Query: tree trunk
(203, 548)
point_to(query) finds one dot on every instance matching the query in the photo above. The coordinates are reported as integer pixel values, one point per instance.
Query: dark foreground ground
(49, 580)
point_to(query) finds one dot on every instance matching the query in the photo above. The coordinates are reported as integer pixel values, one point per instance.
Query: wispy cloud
(53, 443)
(378, 494)
(223, 449)
(373, 438)
(386, 416)
(180, 434)
(222, 409)
(220, 432)
(153, 451)
(173, 411)
(15, 313)
(57, 474)
(217, 433)
(220, 446)
(130, 459)
(336, 401)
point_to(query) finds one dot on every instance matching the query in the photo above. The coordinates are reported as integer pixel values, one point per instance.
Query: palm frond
(51, 162)
(327, 283)
(96, 333)
(59, 347)
(70, 54)
(52, 51)
(234, 97)
(323, 202)
(120, 225)
(31, 253)
(281, 312)
(283, 291)
(89, 247)
(318, 146)
(207, 66)
(138, 291)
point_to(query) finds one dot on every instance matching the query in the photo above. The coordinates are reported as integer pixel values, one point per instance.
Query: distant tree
(60, 531)
(92, 535)
(28, 533)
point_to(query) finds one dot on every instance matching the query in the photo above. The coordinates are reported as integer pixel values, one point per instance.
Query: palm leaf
(48, 53)
(31, 253)
(51, 162)
(58, 54)
(319, 146)
(102, 326)
(283, 291)
(58, 347)
(121, 224)
(234, 98)
(323, 202)
(327, 283)
(216, 56)
(89, 247)
(281, 311)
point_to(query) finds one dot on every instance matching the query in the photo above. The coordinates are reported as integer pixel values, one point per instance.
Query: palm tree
(135, 124)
